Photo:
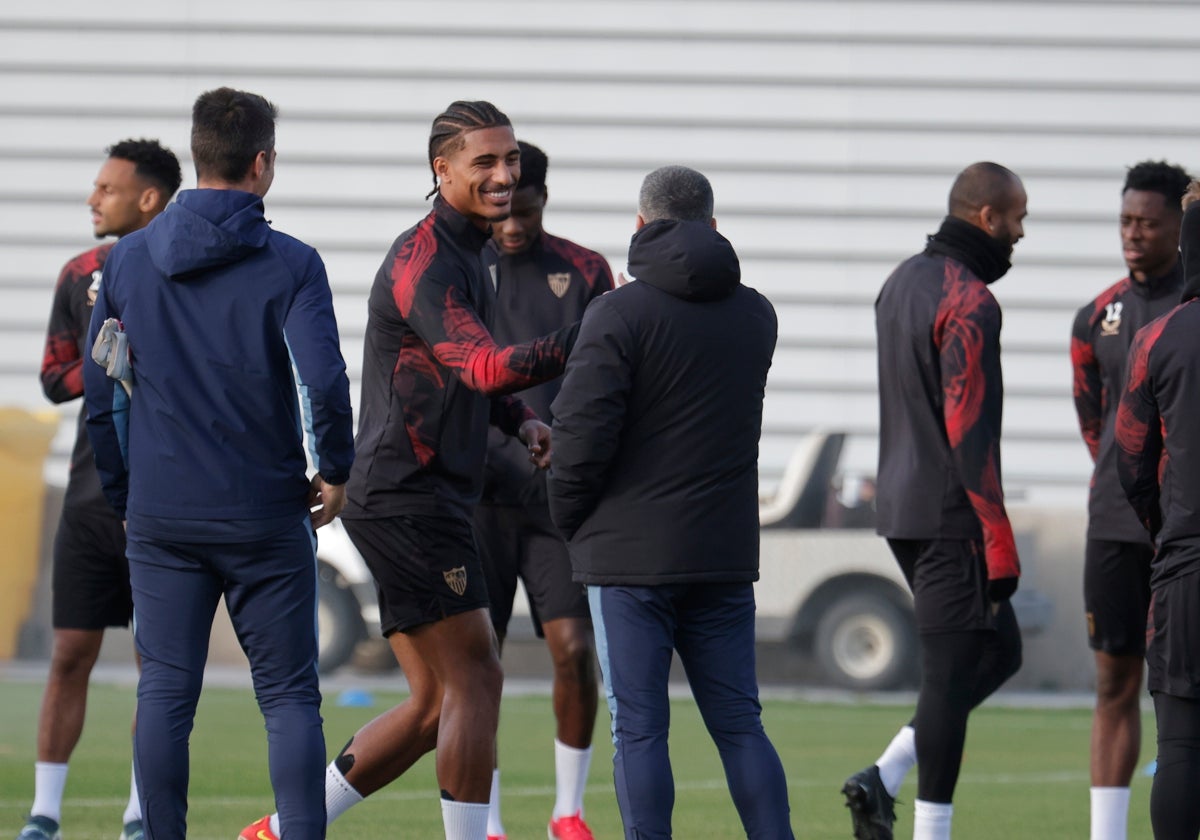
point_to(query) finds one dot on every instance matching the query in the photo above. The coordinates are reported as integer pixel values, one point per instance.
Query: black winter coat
(654, 474)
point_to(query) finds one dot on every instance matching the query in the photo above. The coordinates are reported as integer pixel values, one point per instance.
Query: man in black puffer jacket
(654, 481)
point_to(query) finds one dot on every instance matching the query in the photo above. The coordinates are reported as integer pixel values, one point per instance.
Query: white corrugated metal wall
(831, 132)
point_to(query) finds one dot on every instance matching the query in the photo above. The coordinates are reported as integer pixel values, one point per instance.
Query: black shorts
(948, 579)
(90, 577)
(1116, 595)
(1173, 638)
(426, 567)
(517, 541)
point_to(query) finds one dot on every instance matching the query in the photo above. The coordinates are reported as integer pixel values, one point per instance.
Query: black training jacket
(654, 476)
(538, 291)
(433, 377)
(1158, 438)
(1100, 340)
(941, 396)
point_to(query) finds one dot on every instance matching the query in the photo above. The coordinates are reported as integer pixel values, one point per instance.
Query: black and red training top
(941, 396)
(1158, 441)
(433, 377)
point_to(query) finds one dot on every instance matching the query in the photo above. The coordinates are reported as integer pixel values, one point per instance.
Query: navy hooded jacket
(654, 469)
(217, 306)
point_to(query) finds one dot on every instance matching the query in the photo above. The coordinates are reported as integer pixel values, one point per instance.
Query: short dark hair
(533, 167)
(981, 185)
(678, 193)
(446, 135)
(229, 128)
(1167, 179)
(151, 161)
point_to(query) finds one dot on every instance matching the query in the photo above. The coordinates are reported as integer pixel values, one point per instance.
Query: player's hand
(1192, 195)
(1001, 589)
(536, 436)
(622, 280)
(325, 501)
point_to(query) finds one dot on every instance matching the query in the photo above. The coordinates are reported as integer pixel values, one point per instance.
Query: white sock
(133, 810)
(570, 776)
(899, 757)
(931, 820)
(464, 820)
(495, 827)
(340, 795)
(1110, 812)
(49, 780)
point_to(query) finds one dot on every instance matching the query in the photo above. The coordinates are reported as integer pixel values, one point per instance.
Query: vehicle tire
(867, 642)
(339, 621)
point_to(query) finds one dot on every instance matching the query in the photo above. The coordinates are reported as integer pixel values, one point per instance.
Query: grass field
(1025, 772)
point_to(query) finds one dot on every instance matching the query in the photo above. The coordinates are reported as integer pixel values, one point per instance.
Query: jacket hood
(687, 260)
(204, 229)
(1189, 249)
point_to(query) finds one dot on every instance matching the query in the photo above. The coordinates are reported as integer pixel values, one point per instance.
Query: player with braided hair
(433, 379)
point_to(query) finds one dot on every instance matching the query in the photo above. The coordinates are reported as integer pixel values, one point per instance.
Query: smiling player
(433, 378)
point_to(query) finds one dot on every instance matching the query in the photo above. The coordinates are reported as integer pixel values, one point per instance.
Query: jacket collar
(461, 229)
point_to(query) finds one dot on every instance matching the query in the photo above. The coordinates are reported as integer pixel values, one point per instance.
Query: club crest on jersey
(559, 283)
(456, 579)
(1111, 325)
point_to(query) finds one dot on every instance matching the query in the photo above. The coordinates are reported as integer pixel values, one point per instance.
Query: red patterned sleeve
(62, 371)
(967, 334)
(439, 312)
(1139, 431)
(1088, 386)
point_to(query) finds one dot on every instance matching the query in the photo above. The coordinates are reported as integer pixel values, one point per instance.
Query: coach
(654, 481)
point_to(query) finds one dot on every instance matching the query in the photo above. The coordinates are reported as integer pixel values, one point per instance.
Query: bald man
(940, 499)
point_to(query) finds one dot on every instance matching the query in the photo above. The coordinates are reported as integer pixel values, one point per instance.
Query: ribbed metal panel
(831, 131)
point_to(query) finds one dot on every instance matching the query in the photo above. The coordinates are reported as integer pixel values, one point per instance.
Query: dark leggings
(959, 671)
(1174, 806)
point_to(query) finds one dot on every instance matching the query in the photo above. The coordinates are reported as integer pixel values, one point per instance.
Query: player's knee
(1118, 681)
(74, 656)
(575, 662)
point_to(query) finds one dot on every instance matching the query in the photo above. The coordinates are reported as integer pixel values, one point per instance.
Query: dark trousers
(270, 591)
(712, 628)
(1174, 806)
(969, 648)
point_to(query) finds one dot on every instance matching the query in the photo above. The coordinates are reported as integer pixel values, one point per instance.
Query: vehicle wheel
(865, 641)
(339, 622)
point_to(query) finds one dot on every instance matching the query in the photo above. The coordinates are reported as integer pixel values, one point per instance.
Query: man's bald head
(983, 184)
(992, 198)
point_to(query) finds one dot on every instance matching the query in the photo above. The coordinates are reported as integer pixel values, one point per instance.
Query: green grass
(1025, 771)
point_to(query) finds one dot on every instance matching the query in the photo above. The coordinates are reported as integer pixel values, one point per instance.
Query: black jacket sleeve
(589, 414)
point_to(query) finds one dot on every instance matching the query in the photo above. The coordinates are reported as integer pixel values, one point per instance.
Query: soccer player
(217, 307)
(1158, 464)
(90, 585)
(543, 283)
(433, 378)
(655, 485)
(1116, 579)
(940, 498)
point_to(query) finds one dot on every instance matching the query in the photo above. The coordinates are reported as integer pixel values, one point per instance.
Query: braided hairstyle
(446, 135)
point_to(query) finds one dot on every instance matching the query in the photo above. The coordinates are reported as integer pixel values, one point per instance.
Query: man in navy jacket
(217, 306)
(654, 481)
